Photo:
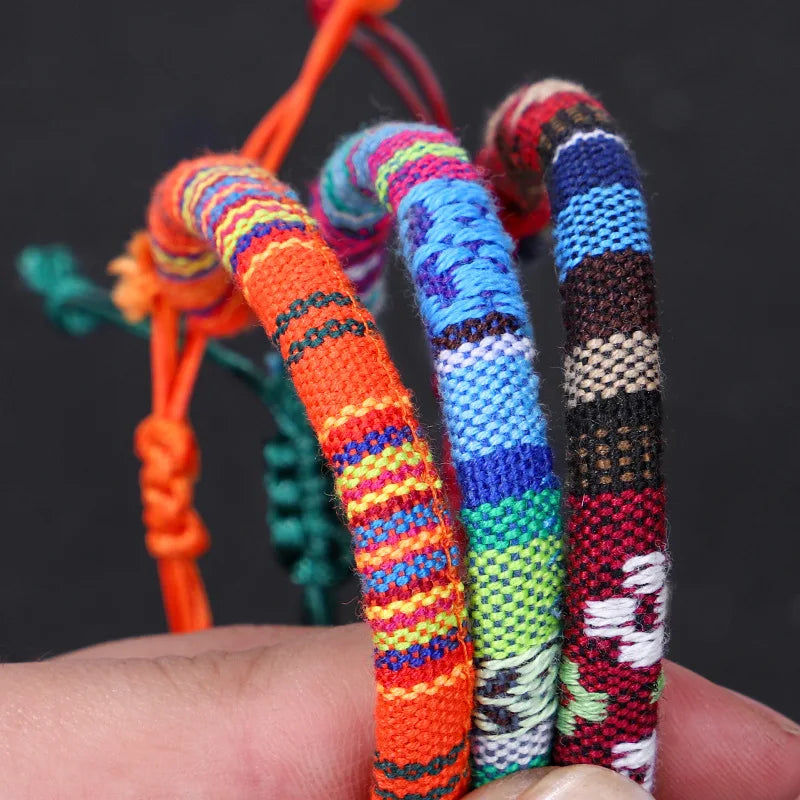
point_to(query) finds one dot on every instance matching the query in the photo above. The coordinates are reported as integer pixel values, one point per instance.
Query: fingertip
(578, 782)
(718, 745)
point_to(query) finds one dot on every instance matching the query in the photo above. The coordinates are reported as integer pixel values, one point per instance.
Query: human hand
(281, 712)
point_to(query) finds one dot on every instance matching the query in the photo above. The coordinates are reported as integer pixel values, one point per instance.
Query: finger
(293, 720)
(581, 782)
(231, 638)
(251, 719)
(717, 745)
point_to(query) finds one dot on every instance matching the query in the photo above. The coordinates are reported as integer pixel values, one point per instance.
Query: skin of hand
(281, 712)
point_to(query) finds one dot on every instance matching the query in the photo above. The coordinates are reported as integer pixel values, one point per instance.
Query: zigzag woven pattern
(461, 263)
(617, 562)
(362, 416)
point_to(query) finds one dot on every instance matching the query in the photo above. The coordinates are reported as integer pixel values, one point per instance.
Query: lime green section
(591, 706)
(658, 690)
(514, 597)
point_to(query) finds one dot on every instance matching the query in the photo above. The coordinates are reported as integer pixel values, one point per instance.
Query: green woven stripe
(415, 771)
(589, 706)
(332, 329)
(514, 597)
(514, 520)
(300, 307)
(485, 773)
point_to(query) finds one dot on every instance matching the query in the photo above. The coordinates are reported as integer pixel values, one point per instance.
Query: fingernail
(584, 782)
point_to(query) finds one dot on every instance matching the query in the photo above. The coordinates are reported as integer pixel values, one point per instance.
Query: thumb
(582, 782)
(290, 720)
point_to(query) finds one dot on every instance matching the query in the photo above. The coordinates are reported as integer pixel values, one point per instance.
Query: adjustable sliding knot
(171, 464)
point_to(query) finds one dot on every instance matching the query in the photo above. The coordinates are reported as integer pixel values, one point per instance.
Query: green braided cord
(305, 529)
(306, 533)
(78, 306)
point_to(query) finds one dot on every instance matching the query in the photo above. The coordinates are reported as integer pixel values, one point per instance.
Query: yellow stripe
(269, 252)
(352, 412)
(243, 225)
(253, 210)
(183, 266)
(243, 207)
(415, 151)
(421, 633)
(460, 672)
(199, 184)
(394, 552)
(413, 603)
(389, 459)
(388, 492)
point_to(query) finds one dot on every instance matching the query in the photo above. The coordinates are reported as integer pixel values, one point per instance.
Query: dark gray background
(99, 98)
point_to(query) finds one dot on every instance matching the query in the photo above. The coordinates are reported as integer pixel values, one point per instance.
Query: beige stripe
(603, 368)
(541, 91)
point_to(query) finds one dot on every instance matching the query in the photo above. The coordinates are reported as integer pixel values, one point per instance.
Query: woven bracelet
(554, 136)
(238, 219)
(461, 262)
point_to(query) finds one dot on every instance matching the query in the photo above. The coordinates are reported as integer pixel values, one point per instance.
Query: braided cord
(384, 476)
(303, 524)
(481, 340)
(617, 563)
(305, 529)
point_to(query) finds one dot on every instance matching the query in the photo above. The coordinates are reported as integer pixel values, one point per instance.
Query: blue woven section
(492, 404)
(417, 654)
(458, 253)
(514, 471)
(372, 444)
(379, 530)
(607, 219)
(599, 161)
(402, 572)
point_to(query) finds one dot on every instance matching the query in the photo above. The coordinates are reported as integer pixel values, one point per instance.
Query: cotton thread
(353, 398)
(480, 335)
(552, 145)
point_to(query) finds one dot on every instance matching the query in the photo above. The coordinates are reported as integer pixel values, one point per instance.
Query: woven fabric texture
(363, 418)
(461, 263)
(554, 136)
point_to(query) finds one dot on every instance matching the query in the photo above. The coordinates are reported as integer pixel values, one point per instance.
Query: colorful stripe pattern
(461, 263)
(617, 562)
(385, 479)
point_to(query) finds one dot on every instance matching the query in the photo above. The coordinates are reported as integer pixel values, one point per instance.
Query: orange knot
(137, 283)
(170, 467)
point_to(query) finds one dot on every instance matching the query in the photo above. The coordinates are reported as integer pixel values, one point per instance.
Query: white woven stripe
(582, 136)
(631, 757)
(616, 616)
(519, 747)
(489, 348)
(602, 368)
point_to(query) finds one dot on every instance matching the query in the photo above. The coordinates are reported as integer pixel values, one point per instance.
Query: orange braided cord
(363, 418)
